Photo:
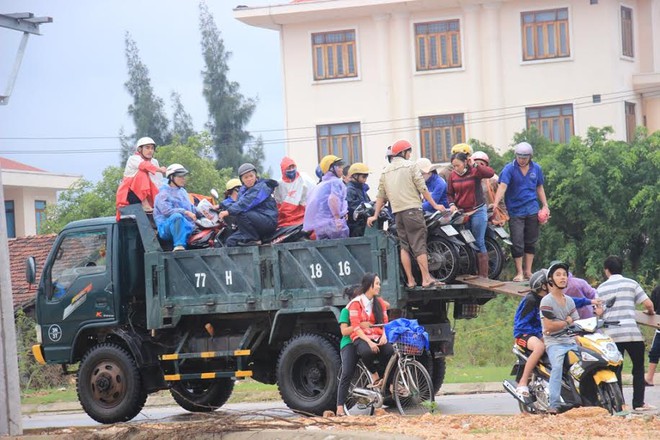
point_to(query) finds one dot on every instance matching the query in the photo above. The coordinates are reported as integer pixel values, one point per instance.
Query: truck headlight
(37, 328)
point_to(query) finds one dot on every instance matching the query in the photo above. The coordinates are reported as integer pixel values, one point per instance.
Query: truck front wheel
(109, 384)
(202, 395)
(307, 372)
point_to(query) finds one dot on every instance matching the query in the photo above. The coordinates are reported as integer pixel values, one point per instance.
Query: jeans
(177, 228)
(556, 353)
(384, 354)
(478, 225)
(636, 352)
(349, 360)
(252, 226)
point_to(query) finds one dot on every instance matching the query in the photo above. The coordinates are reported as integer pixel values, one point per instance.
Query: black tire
(202, 395)
(361, 379)
(307, 371)
(610, 397)
(437, 370)
(109, 384)
(412, 389)
(467, 260)
(495, 258)
(443, 259)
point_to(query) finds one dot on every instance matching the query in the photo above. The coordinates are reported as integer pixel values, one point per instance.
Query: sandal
(518, 279)
(434, 283)
(376, 384)
(522, 392)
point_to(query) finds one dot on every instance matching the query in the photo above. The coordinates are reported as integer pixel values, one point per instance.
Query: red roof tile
(37, 246)
(8, 164)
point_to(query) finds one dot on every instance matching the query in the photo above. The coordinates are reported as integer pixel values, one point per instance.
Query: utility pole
(10, 396)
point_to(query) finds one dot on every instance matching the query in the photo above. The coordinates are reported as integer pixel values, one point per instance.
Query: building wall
(492, 88)
(24, 210)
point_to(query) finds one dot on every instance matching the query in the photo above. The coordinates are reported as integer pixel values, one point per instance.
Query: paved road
(485, 403)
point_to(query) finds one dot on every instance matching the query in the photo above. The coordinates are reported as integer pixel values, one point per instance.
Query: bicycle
(405, 380)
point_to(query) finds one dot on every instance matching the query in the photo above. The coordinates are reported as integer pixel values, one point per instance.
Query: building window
(334, 55)
(439, 133)
(342, 140)
(438, 45)
(11, 219)
(627, 32)
(630, 121)
(555, 122)
(39, 214)
(545, 34)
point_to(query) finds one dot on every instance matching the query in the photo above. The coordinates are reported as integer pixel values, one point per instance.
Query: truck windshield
(79, 254)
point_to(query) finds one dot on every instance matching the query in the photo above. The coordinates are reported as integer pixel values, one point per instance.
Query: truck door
(77, 290)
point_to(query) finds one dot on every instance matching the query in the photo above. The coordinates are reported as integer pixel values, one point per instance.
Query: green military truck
(139, 319)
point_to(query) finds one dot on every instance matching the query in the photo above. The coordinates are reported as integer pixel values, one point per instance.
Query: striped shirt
(628, 293)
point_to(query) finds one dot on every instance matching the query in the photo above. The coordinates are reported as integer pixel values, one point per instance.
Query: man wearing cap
(435, 184)
(291, 194)
(521, 186)
(142, 177)
(401, 183)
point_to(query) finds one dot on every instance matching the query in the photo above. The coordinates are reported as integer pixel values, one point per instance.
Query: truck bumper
(38, 353)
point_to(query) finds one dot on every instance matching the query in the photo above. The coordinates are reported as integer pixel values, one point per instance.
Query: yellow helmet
(461, 148)
(328, 161)
(233, 183)
(358, 168)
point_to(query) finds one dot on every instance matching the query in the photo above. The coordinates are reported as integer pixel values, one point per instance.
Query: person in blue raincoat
(255, 211)
(174, 214)
(326, 206)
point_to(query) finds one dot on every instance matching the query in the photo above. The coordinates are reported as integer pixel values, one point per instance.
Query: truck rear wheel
(202, 395)
(109, 384)
(307, 371)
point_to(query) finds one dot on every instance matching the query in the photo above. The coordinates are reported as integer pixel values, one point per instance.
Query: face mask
(291, 174)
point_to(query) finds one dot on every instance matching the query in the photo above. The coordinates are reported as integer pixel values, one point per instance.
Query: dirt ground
(582, 423)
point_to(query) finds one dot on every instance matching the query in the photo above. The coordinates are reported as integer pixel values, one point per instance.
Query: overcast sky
(71, 81)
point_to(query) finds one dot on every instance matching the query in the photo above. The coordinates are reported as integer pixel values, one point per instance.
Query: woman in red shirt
(371, 342)
(464, 191)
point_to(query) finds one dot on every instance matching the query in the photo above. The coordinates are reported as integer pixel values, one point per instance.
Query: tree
(147, 109)
(85, 200)
(197, 157)
(229, 111)
(182, 125)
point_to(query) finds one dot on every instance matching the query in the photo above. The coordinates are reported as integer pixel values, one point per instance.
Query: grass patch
(50, 395)
(249, 390)
(456, 374)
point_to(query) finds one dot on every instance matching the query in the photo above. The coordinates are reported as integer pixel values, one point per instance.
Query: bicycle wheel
(412, 388)
(355, 406)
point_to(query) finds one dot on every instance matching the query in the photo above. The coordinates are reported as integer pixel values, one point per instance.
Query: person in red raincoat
(142, 177)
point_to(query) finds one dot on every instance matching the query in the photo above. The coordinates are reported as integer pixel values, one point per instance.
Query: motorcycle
(588, 375)
(442, 246)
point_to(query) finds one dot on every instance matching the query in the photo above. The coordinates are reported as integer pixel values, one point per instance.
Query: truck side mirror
(30, 270)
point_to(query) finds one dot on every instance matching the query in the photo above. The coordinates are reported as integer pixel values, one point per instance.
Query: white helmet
(144, 141)
(523, 149)
(176, 169)
(480, 155)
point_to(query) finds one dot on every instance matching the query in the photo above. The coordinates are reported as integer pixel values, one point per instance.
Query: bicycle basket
(410, 343)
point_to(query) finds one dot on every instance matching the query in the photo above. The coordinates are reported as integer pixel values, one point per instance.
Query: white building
(28, 191)
(359, 74)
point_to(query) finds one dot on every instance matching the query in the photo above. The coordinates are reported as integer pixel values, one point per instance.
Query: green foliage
(497, 161)
(147, 109)
(84, 200)
(197, 156)
(228, 109)
(182, 125)
(32, 375)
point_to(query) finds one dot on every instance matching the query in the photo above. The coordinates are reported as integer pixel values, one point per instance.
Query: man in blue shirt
(521, 185)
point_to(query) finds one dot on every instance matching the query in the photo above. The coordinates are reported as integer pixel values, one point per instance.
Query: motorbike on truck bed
(140, 319)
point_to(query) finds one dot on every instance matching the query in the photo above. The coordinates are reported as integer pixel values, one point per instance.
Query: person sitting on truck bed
(255, 211)
(370, 342)
(233, 187)
(142, 177)
(173, 213)
(326, 206)
(291, 194)
(356, 194)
